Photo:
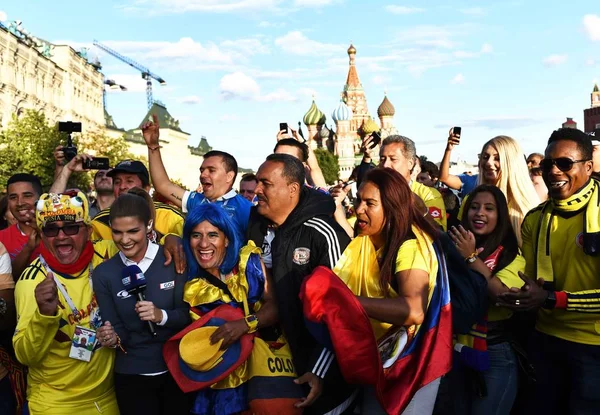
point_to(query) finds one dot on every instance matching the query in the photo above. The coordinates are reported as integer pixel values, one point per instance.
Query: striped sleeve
(323, 358)
(581, 301)
(330, 251)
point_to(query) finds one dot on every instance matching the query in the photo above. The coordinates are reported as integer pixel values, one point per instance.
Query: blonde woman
(501, 164)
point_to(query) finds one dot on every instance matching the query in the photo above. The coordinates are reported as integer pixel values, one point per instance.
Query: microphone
(134, 283)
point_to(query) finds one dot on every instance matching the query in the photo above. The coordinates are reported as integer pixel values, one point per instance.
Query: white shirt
(186, 196)
(144, 264)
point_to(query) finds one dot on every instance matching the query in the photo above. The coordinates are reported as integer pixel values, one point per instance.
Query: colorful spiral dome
(342, 112)
(386, 109)
(314, 116)
(369, 126)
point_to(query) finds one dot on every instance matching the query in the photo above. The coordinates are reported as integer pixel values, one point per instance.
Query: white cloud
(591, 25)
(266, 24)
(229, 118)
(250, 46)
(156, 7)
(296, 43)
(473, 11)
(403, 9)
(590, 62)
(487, 48)
(458, 79)
(190, 100)
(307, 92)
(313, 3)
(238, 85)
(380, 80)
(554, 60)
(464, 54)
(279, 95)
(3, 16)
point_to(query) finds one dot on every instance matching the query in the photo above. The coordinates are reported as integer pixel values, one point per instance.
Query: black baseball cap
(132, 167)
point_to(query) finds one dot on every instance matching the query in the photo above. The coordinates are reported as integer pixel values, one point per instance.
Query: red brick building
(591, 116)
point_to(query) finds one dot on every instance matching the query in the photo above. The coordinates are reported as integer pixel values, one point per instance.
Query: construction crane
(146, 74)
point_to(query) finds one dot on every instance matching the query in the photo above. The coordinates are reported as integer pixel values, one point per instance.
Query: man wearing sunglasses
(57, 308)
(561, 244)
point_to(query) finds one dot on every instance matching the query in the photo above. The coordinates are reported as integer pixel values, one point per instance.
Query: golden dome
(351, 50)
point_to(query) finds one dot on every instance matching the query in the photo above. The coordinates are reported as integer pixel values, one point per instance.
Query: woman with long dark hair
(142, 381)
(485, 381)
(392, 267)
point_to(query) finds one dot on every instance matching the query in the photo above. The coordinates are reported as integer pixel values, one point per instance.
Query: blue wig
(218, 217)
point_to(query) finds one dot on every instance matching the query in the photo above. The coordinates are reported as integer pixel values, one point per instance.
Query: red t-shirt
(14, 240)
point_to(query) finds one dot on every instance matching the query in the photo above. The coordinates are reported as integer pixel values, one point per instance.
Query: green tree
(329, 165)
(27, 146)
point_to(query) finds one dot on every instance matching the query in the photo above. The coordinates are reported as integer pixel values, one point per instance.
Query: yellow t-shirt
(56, 383)
(433, 200)
(169, 220)
(419, 255)
(573, 271)
(509, 276)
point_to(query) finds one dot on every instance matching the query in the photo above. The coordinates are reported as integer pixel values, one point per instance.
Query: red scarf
(70, 269)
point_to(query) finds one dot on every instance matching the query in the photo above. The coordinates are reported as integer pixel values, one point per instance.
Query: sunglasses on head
(562, 163)
(70, 230)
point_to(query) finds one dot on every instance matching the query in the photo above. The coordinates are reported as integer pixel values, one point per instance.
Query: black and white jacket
(309, 237)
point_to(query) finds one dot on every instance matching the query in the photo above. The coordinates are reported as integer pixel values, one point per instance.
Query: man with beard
(126, 175)
(56, 308)
(294, 225)
(21, 239)
(103, 184)
(560, 245)
(217, 176)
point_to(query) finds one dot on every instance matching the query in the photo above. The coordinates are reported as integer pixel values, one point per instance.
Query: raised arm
(160, 178)
(448, 179)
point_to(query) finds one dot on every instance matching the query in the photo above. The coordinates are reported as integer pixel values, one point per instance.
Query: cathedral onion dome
(351, 50)
(314, 116)
(342, 112)
(324, 133)
(369, 127)
(386, 109)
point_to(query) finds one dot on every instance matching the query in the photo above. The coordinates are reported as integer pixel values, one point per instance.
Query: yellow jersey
(169, 220)
(509, 276)
(433, 200)
(574, 272)
(56, 383)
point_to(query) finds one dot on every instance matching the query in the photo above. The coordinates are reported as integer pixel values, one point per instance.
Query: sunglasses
(562, 163)
(69, 230)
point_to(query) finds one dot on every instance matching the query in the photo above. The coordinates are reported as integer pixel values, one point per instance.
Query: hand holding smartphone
(454, 136)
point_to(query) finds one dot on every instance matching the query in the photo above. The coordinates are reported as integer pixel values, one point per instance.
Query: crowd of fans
(404, 289)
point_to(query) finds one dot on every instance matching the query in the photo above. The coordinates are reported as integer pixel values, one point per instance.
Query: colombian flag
(335, 318)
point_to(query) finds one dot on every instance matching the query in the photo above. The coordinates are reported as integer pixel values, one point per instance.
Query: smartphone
(96, 163)
(456, 130)
(376, 139)
(283, 126)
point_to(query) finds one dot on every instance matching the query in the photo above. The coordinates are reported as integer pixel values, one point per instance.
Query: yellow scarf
(359, 270)
(588, 198)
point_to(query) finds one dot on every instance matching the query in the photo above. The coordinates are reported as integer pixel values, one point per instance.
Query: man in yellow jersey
(126, 175)
(58, 314)
(399, 153)
(561, 244)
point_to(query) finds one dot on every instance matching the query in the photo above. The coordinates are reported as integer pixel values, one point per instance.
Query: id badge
(82, 344)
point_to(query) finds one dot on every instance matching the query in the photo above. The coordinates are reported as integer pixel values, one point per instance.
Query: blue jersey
(237, 207)
(469, 183)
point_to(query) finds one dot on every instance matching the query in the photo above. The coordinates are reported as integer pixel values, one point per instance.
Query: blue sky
(237, 68)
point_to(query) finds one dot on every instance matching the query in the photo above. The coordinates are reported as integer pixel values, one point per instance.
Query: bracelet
(154, 148)
(471, 258)
(118, 344)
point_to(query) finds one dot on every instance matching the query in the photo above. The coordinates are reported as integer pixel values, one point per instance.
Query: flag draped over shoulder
(335, 317)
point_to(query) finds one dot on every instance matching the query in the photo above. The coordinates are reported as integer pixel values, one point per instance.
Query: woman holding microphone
(142, 383)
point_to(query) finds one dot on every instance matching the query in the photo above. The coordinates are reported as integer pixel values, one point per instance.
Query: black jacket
(165, 289)
(309, 237)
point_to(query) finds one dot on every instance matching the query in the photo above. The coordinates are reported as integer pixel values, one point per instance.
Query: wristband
(154, 148)
(550, 301)
(252, 323)
(471, 258)
(561, 299)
